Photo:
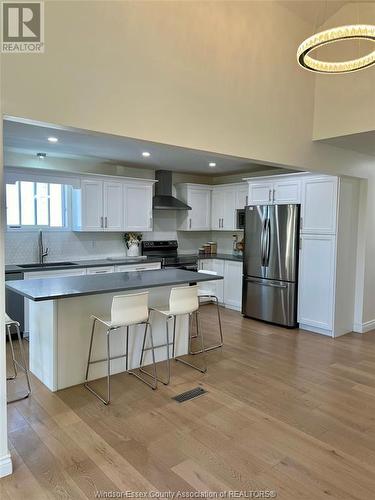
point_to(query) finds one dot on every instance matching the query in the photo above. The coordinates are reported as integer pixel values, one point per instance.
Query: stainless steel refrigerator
(271, 263)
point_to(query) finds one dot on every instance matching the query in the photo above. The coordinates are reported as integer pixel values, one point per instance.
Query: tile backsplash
(22, 247)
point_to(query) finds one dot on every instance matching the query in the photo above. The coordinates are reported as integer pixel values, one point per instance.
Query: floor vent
(193, 393)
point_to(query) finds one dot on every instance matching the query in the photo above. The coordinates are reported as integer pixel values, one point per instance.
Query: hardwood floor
(286, 410)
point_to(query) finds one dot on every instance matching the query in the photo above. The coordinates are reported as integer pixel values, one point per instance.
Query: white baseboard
(6, 466)
(364, 327)
(315, 329)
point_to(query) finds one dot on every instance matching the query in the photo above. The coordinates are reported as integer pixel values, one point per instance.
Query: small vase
(133, 251)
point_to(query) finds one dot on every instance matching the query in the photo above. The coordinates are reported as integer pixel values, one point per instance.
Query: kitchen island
(60, 324)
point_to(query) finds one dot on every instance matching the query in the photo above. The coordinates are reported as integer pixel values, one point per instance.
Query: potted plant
(132, 241)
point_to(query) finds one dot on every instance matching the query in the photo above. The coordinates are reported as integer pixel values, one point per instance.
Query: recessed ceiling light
(146, 154)
(53, 139)
(41, 156)
(212, 164)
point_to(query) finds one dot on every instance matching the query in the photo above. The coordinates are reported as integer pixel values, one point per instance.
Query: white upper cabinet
(113, 206)
(242, 196)
(288, 191)
(260, 193)
(279, 192)
(88, 206)
(223, 208)
(138, 206)
(319, 205)
(198, 197)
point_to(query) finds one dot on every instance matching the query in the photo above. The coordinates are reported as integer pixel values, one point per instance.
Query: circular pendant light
(335, 35)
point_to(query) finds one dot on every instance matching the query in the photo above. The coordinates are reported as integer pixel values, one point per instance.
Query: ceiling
(317, 12)
(31, 138)
(362, 143)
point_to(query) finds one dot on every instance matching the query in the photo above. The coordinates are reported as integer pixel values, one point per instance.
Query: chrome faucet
(43, 252)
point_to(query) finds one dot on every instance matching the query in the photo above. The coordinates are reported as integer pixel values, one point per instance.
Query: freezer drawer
(270, 300)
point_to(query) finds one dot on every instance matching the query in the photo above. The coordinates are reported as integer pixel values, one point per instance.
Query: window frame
(66, 209)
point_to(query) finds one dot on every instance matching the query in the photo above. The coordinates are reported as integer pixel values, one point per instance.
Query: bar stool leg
(12, 353)
(153, 384)
(216, 346)
(23, 359)
(200, 334)
(21, 364)
(86, 384)
(167, 345)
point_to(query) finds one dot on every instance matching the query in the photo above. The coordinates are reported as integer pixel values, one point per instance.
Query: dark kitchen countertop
(14, 268)
(222, 256)
(76, 286)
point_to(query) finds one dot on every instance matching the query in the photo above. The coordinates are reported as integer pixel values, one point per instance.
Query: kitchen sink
(49, 264)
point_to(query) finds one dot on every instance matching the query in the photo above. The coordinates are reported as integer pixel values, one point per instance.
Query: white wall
(215, 76)
(5, 460)
(345, 104)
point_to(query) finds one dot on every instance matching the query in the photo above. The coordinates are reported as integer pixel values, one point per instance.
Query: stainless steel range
(167, 250)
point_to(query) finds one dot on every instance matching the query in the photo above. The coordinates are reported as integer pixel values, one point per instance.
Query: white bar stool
(182, 300)
(9, 323)
(126, 310)
(207, 294)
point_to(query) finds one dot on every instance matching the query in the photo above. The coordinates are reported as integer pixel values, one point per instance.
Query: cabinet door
(242, 196)
(233, 284)
(113, 206)
(217, 209)
(229, 207)
(138, 207)
(285, 192)
(223, 209)
(260, 193)
(200, 213)
(218, 266)
(316, 281)
(92, 205)
(319, 205)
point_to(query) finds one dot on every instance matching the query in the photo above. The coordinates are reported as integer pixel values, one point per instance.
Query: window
(36, 205)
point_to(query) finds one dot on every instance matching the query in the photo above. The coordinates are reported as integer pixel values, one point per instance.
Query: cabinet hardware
(190, 223)
(222, 223)
(101, 222)
(106, 221)
(300, 243)
(273, 196)
(247, 200)
(301, 223)
(269, 194)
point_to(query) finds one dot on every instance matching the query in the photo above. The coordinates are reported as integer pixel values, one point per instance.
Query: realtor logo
(22, 27)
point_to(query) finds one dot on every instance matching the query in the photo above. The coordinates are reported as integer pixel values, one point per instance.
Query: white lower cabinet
(233, 284)
(229, 290)
(127, 268)
(317, 283)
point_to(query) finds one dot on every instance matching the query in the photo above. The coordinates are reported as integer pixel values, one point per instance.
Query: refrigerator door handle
(262, 244)
(267, 240)
(262, 283)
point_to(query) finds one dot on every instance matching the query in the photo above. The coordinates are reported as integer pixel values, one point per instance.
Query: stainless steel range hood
(163, 199)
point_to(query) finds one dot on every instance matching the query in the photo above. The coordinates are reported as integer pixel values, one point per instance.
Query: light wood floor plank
(286, 410)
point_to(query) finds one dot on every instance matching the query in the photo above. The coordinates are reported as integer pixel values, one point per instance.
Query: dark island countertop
(76, 286)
